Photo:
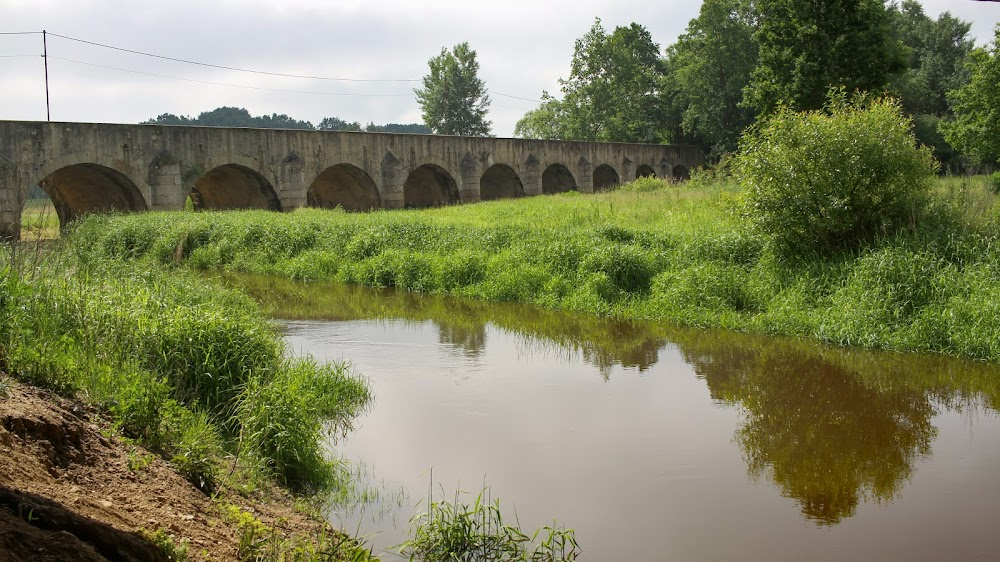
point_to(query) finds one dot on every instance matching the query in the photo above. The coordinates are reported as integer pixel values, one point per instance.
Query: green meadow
(649, 250)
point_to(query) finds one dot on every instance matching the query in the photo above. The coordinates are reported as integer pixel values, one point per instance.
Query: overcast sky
(523, 46)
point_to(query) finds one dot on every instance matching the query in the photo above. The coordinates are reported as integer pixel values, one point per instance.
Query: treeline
(741, 60)
(240, 117)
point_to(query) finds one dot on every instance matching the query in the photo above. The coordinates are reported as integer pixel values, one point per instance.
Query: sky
(523, 48)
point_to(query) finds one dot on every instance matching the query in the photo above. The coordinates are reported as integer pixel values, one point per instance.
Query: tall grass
(190, 369)
(661, 253)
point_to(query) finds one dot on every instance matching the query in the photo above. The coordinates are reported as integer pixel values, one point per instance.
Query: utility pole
(45, 57)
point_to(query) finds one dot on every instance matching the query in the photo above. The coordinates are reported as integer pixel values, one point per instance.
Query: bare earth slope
(67, 491)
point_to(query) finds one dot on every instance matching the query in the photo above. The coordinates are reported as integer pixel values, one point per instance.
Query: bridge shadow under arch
(681, 173)
(645, 171)
(232, 186)
(80, 189)
(346, 186)
(430, 185)
(605, 178)
(558, 179)
(500, 181)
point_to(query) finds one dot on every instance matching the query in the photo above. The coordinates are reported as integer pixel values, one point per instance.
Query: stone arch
(558, 179)
(500, 181)
(234, 186)
(680, 173)
(344, 185)
(79, 185)
(605, 178)
(645, 171)
(430, 185)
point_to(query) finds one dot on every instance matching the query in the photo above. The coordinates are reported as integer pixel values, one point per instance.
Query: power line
(225, 84)
(229, 67)
(20, 32)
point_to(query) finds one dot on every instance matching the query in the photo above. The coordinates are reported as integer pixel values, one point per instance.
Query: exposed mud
(71, 490)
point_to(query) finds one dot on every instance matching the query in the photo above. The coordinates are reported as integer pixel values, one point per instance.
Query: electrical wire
(225, 84)
(283, 75)
(236, 69)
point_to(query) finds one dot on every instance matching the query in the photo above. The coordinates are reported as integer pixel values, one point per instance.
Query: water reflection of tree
(815, 429)
(471, 339)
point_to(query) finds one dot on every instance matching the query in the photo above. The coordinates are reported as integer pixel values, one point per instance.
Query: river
(654, 442)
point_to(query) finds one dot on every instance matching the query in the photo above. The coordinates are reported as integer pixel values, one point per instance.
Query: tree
(232, 117)
(453, 99)
(612, 93)
(707, 71)
(976, 105)
(807, 47)
(337, 124)
(937, 54)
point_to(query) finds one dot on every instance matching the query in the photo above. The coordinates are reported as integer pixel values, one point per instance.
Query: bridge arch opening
(680, 173)
(232, 186)
(344, 186)
(429, 185)
(645, 171)
(81, 189)
(558, 179)
(605, 178)
(500, 181)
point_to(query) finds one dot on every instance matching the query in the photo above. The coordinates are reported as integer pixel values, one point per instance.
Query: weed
(167, 544)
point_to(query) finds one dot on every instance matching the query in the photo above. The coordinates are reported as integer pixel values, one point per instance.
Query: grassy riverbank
(185, 369)
(646, 251)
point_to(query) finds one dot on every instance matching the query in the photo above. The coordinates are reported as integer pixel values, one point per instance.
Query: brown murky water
(658, 443)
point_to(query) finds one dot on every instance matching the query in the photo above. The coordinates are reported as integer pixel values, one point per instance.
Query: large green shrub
(820, 182)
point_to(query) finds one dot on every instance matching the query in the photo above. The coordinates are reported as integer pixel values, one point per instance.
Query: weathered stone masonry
(90, 167)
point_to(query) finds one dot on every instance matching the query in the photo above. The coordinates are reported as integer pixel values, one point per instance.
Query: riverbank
(151, 412)
(648, 251)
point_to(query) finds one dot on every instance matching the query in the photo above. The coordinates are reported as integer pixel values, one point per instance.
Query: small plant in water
(458, 532)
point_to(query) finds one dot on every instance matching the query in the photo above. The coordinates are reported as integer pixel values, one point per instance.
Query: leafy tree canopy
(240, 117)
(707, 70)
(454, 100)
(976, 127)
(806, 48)
(612, 93)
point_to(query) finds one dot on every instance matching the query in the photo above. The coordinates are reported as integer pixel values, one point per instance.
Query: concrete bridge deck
(93, 167)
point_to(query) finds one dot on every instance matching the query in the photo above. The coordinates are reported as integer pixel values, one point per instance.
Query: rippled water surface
(657, 443)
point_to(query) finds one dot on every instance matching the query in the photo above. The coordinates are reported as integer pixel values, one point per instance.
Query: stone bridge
(93, 167)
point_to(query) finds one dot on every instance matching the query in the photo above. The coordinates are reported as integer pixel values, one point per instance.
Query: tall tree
(937, 51)
(612, 93)
(707, 70)
(808, 47)
(976, 127)
(454, 100)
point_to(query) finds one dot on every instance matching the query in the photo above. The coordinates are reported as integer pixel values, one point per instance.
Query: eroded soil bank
(70, 489)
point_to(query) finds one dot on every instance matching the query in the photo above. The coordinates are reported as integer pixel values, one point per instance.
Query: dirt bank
(72, 490)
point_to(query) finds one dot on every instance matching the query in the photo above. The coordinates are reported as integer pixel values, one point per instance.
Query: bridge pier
(167, 188)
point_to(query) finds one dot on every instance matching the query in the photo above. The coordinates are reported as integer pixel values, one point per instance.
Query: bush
(822, 182)
(994, 182)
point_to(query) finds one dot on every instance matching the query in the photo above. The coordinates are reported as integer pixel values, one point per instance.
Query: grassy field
(39, 220)
(646, 251)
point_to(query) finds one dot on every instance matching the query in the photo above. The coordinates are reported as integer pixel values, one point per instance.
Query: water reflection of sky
(676, 444)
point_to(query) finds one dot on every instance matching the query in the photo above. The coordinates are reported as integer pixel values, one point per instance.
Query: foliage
(453, 99)
(938, 51)
(176, 361)
(231, 117)
(827, 182)
(612, 93)
(976, 128)
(455, 531)
(696, 262)
(808, 47)
(407, 128)
(708, 69)
(337, 124)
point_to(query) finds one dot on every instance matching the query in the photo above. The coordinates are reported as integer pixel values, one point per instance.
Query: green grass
(39, 220)
(647, 251)
(191, 370)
